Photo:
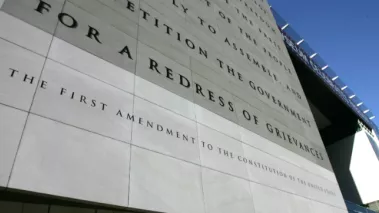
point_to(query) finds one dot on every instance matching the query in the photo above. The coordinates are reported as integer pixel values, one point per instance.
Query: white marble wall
(157, 105)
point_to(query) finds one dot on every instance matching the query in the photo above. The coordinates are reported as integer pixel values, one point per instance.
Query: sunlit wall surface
(365, 167)
(163, 105)
(355, 160)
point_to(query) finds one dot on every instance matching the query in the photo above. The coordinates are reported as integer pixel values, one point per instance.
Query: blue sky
(346, 34)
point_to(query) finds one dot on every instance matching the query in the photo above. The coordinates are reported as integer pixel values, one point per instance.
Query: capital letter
(92, 32)
(43, 6)
(127, 51)
(74, 22)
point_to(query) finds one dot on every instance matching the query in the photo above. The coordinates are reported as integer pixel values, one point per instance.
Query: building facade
(155, 105)
(345, 123)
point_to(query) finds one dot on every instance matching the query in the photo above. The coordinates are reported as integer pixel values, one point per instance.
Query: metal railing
(315, 62)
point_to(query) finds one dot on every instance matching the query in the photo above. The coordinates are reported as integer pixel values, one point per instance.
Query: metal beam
(285, 26)
(372, 117)
(335, 78)
(360, 104)
(366, 111)
(312, 56)
(324, 68)
(352, 96)
(343, 88)
(301, 41)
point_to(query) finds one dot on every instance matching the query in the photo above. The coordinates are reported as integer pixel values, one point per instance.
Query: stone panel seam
(197, 122)
(198, 147)
(257, 98)
(32, 51)
(243, 22)
(133, 108)
(192, 102)
(197, 37)
(31, 105)
(138, 76)
(274, 109)
(212, 128)
(247, 170)
(199, 165)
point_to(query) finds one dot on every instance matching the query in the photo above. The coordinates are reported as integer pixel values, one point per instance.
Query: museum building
(197, 106)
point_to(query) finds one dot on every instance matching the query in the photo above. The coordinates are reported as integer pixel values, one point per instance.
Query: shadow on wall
(340, 155)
